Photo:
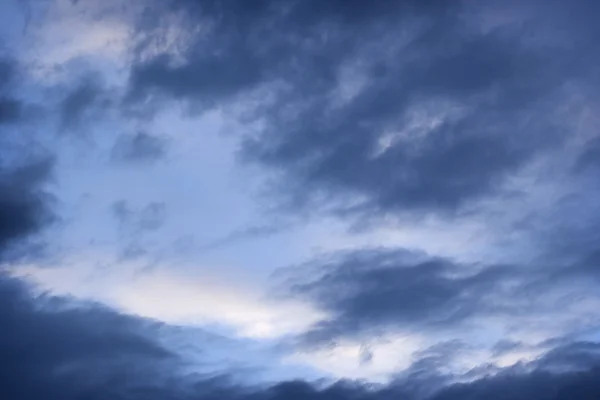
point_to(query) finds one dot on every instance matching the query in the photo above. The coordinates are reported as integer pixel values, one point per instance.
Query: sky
(299, 199)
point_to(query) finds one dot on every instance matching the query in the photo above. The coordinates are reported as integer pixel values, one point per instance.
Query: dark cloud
(444, 109)
(139, 148)
(10, 107)
(7, 71)
(589, 159)
(372, 292)
(24, 200)
(24, 205)
(10, 110)
(538, 385)
(55, 348)
(252, 42)
(80, 101)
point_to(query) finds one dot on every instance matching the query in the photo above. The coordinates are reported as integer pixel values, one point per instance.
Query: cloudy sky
(299, 199)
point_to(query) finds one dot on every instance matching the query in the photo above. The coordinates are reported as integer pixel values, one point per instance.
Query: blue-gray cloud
(10, 107)
(24, 204)
(79, 101)
(373, 292)
(491, 91)
(52, 347)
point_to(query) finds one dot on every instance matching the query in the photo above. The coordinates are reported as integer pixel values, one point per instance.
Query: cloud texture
(296, 165)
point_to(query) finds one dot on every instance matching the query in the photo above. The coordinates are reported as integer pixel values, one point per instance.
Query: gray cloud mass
(491, 93)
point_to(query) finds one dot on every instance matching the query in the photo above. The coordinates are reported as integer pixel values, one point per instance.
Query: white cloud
(375, 359)
(62, 31)
(175, 295)
(193, 299)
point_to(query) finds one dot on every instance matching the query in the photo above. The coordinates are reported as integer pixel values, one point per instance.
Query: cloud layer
(260, 199)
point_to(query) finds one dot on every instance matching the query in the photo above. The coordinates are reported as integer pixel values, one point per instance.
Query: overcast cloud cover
(299, 199)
